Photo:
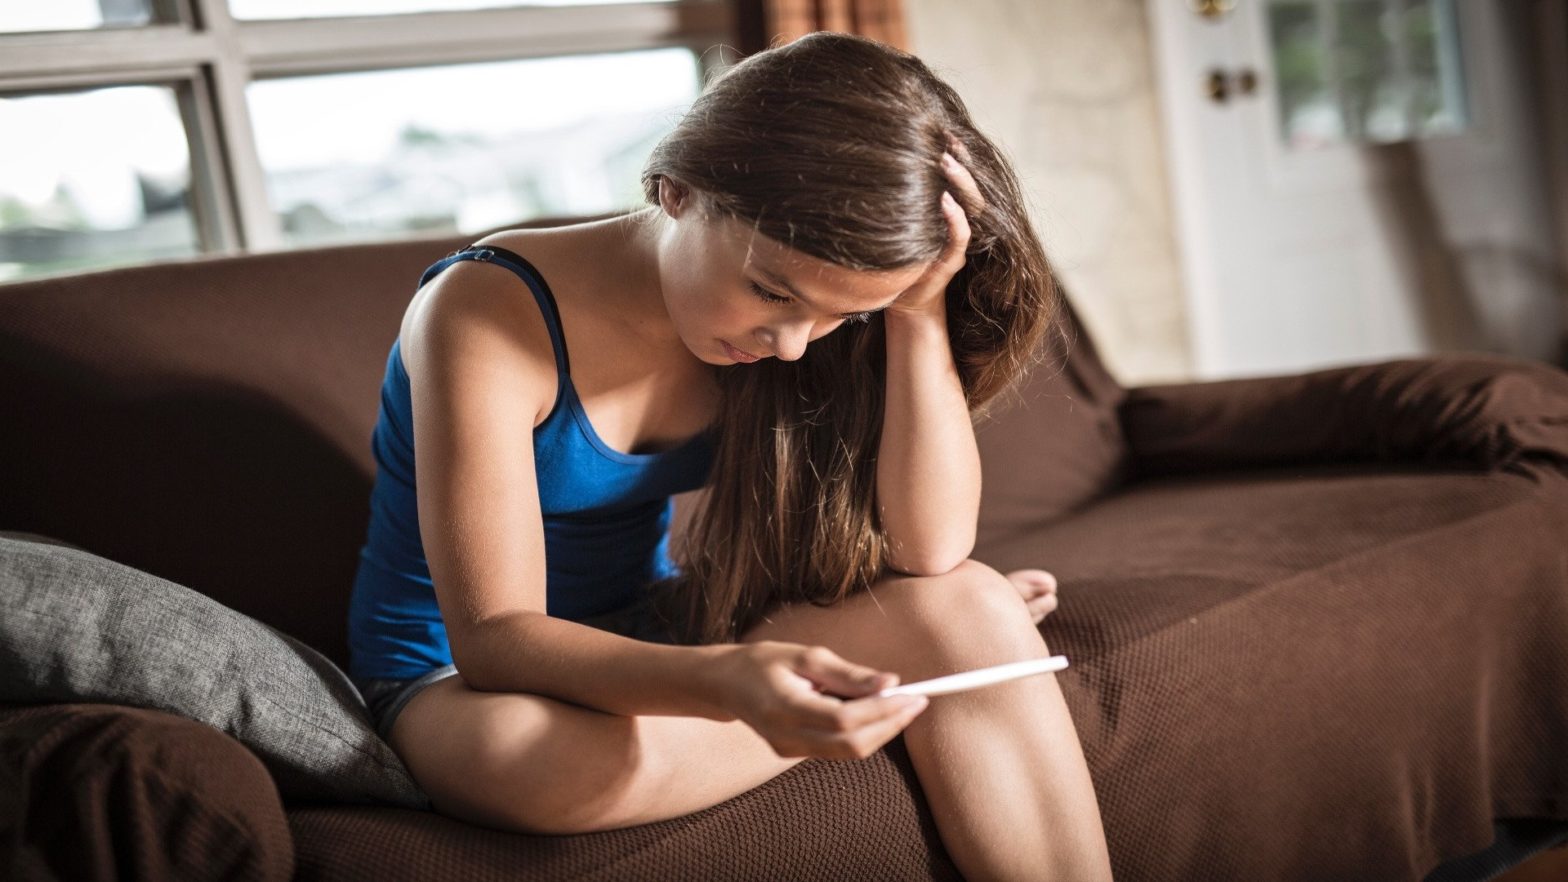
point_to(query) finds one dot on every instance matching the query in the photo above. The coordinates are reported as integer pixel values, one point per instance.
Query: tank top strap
(531, 277)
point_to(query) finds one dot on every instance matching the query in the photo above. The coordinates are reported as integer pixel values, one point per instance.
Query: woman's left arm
(928, 464)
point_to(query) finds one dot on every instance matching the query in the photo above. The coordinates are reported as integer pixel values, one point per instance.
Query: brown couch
(1318, 623)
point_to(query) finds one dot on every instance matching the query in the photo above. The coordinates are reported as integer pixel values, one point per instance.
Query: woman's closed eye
(770, 297)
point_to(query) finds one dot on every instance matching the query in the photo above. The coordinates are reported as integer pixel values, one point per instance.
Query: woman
(553, 388)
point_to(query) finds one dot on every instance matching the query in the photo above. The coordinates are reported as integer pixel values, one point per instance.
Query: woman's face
(727, 286)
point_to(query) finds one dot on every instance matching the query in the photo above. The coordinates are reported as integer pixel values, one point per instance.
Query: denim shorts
(386, 698)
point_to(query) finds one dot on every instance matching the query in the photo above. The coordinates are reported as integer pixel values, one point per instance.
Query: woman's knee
(974, 597)
(970, 616)
(919, 626)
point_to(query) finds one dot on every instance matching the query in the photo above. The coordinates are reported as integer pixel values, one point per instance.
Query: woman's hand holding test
(788, 693)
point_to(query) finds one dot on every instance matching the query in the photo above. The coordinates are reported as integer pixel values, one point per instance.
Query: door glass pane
(1370, 87)
(1365, 70)
(268, 9)
(72, 15)
(92, 179)
(467, 147)
(1303, 73)
(1437, 94)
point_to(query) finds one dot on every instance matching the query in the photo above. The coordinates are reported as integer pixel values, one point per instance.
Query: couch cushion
(209, 420)
(1445, 410)
(99, 792)
(1054, 442)
(1375, 655)
(824, 820)
(78, 627)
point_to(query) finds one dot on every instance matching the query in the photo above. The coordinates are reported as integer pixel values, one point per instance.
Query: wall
(1066, 88)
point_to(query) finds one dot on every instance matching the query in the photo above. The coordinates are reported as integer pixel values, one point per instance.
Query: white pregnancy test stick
(979, 677)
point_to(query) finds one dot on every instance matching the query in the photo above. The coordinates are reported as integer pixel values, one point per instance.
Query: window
(1366, 70)
(132, 133)
(72, 15)
(273, 9)
(102, 176)
(464, 147)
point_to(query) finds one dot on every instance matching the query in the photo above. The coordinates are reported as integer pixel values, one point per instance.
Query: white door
(1353, 183)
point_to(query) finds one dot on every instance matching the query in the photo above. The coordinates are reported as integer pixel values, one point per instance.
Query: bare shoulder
(528, 242)
(482, 314)
(475, 285)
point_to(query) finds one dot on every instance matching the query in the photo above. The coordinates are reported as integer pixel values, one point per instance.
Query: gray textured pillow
(79, 627)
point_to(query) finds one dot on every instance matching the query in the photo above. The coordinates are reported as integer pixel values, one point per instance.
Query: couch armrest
(1468, 410)
(102, 791)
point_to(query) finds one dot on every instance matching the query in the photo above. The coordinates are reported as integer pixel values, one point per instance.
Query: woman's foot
(1038, 589)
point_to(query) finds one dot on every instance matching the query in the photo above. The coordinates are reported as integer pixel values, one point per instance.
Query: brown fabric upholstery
(1321, 672)
(820, 820)
(1466, 410)
(1054, 442)
(1318, 624)
(99, 792)
(209, 422)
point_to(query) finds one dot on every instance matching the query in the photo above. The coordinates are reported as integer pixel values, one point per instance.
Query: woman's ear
(674, 197)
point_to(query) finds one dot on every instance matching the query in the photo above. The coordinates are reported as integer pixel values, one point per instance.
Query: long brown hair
(830, 144)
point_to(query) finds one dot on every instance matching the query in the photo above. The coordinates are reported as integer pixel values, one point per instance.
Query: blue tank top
(606, 513)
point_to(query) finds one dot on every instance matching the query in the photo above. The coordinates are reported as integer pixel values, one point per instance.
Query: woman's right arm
(479, 378)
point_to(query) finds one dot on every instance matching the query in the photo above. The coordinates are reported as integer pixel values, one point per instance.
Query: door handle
(1220, 85)
(1211, 8)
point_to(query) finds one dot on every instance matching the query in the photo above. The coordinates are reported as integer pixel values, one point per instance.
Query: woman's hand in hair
(788, 693)
(928, 295)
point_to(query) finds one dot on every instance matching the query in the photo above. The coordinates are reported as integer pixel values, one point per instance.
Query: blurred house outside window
(101, 177)
(464, 148)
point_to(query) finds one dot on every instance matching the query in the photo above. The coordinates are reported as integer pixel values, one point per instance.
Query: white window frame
(208, 58)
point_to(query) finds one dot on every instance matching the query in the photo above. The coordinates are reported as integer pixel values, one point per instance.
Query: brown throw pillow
(97, 791)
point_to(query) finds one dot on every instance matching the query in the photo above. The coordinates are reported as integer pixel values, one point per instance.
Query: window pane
(93, 179)
(72, 15)
(1309, 111)
(467, 147)
(260, 9)
(1366, 70)
(1369, 78)
(1437, 86)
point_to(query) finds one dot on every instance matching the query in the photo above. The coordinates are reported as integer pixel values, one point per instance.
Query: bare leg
(1001, 767)
(1005, 776)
